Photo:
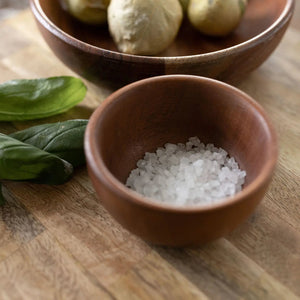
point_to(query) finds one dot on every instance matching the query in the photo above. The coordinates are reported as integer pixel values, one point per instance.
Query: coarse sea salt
(187, 174)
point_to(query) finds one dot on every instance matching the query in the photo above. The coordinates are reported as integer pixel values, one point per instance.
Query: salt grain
(187, 174)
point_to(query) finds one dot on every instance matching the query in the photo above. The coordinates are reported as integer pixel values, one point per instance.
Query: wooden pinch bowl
(169, 109)
(91, 52)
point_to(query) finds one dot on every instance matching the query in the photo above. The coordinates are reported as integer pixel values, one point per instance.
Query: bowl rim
(103, 174)
(284, 17)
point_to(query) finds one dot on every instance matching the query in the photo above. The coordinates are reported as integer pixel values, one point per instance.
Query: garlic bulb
(216, 17)
(88, 11)
(144, 27)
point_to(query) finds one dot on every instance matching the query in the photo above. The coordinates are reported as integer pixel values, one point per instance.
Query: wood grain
(222, 271)
(60, 243)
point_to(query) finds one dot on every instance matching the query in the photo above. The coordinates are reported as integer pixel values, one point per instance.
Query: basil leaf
(39, 98)
(20, 161)
(64, 139)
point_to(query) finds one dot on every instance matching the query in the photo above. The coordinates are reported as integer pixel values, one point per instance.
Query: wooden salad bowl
(169, 109)
(91, 52)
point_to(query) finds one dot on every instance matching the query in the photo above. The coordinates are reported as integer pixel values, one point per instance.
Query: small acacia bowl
(147, 114)
(91, 52)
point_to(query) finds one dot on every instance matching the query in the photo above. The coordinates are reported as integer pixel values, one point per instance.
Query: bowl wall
(171, 111)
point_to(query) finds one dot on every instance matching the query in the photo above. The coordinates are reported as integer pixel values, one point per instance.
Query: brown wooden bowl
(90, 51)
(149, 113)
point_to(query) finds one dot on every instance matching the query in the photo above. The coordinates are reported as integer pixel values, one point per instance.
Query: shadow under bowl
(91, 52)
(169, 109)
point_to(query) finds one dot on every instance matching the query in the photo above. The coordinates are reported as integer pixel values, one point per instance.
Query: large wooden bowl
(90, 51)
(149, 113)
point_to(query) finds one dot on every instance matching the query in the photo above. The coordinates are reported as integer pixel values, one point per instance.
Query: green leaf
(39, 98)
(20, 161)
(64, 139)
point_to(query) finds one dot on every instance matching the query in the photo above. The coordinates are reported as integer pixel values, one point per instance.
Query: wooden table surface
(60, 243)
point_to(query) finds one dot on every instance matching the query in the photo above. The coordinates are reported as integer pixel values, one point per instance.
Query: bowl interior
(149, 114)
(260, 15)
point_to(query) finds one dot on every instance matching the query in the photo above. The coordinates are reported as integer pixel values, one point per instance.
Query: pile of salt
(187, 174)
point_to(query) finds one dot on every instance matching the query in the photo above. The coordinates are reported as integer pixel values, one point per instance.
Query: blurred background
(11, 7)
